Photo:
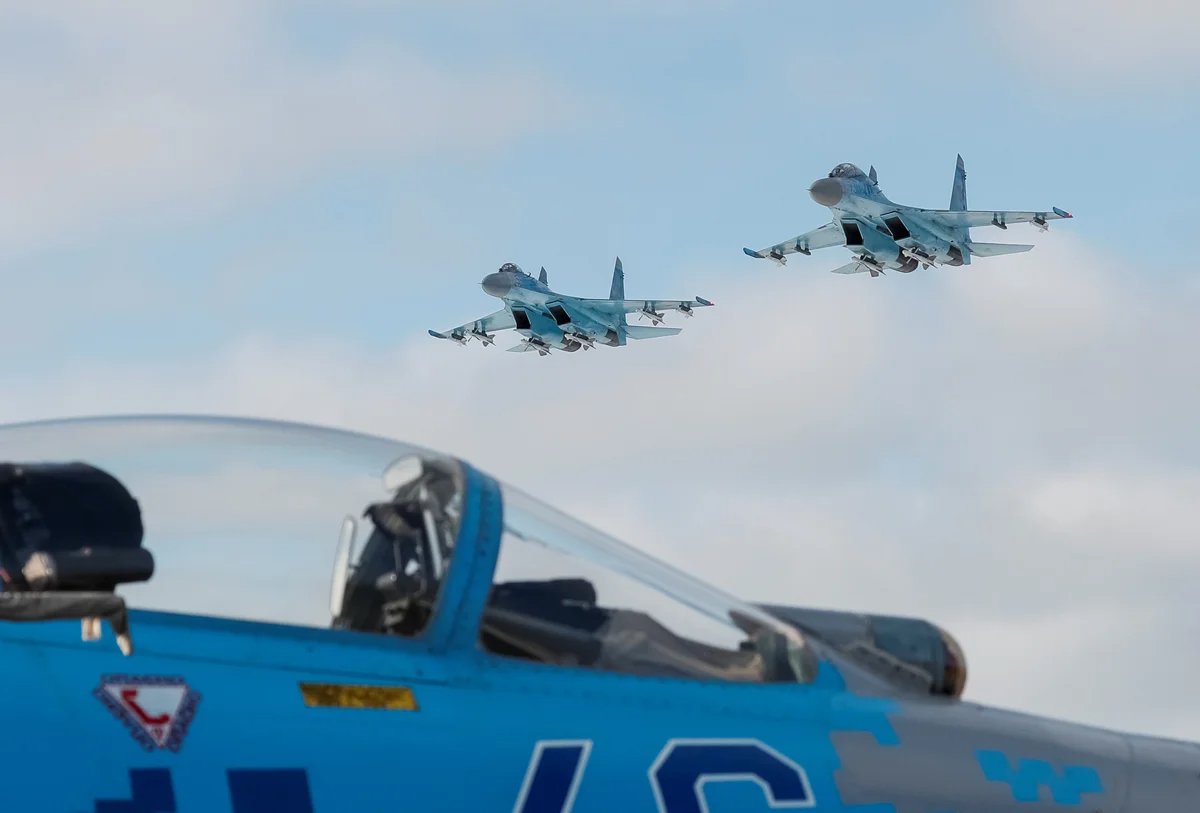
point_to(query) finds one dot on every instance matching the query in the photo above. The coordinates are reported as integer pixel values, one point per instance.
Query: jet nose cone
(496, 284)
(826, 191)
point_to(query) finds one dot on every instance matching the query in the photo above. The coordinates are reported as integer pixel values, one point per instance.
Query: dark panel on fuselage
(853, 233)
(561, 317)
(896, 227)
(521, 318)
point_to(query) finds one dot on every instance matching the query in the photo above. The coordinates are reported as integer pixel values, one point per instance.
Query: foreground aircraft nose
(497, 284)
(826, 191)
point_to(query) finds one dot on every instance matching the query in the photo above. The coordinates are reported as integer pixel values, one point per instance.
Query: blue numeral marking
(270, 791)
(152, 793)
(250, 791)
(684, 767)
(552, 780)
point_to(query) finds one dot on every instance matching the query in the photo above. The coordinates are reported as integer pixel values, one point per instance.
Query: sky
(259, 208)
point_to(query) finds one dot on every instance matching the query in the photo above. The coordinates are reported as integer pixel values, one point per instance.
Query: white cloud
(1128, 511)
(1005, 449)
(1100, 45)
(150, 111)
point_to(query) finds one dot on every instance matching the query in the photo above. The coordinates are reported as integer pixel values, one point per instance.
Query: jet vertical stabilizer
(618, 284)
(958, 193)
(958, 203)
(617, 291)
(542, 278)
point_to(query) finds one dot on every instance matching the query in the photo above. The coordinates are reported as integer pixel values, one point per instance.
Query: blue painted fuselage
(275, 721)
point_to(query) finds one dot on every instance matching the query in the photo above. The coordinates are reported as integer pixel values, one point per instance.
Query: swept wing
(648, 306)
(989, 217)
(828, 235)
(480, 328)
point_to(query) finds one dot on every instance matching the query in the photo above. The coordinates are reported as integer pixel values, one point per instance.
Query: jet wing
(480, 328)
(991, 217)
(648, 306)
(830, 234)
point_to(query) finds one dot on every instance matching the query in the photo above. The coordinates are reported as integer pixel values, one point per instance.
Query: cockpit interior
(846, 171)
(256, 509)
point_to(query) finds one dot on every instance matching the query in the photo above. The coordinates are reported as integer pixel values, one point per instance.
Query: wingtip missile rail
(458, 338)
(773, 256)
(463, 339)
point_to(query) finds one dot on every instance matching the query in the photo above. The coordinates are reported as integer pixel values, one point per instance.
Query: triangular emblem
(157, 710)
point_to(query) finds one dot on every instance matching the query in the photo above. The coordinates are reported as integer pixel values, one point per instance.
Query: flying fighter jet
(882, 234)
(459, 646)
(550, 320)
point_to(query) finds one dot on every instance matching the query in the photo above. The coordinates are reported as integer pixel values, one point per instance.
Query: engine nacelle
(909, 653)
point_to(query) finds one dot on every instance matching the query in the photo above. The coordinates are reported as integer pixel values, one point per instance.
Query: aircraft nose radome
(826, 191)
(496, 284)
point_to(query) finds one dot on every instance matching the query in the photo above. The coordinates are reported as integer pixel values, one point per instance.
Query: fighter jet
(291, 619)
(552, 321)
(882, 234)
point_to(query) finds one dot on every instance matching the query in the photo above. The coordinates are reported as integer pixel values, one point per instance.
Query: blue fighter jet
(551, 321)
(311, 621)
(885, 235)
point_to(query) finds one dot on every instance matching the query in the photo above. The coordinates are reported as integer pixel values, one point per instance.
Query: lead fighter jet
(882, 234)
(549, 320)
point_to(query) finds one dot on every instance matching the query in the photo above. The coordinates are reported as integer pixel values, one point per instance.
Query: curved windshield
(303, 526)
(566, 594)
(846, 171)
(238, 519)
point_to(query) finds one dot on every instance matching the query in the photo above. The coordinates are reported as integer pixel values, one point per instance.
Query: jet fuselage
(881, 231)
(530, 300)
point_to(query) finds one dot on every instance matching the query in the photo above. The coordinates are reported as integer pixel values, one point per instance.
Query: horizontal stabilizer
(996, 249)
(754, 254)
(523, 347)
(853, 267)
(437, 335)
(646, 332)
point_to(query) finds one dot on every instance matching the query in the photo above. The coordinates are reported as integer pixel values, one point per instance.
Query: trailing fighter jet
(314, 621)
(882, 234)
(549, 320)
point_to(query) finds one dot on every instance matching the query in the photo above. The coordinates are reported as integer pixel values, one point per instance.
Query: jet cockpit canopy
(240, 522)
(846, 171)
(511, 267)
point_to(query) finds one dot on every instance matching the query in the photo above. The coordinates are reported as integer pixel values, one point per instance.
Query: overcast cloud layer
(1007, 449)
